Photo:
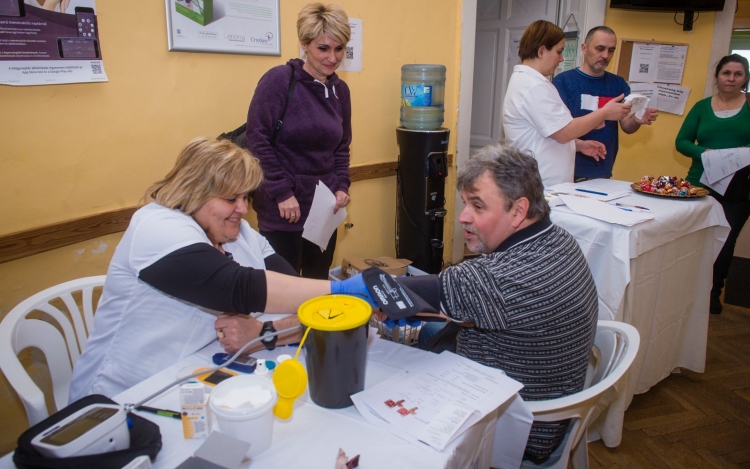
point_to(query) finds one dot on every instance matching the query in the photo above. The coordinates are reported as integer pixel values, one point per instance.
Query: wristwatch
(270, 343)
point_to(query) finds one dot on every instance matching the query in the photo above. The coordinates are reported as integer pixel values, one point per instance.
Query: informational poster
(353, 57)
(224, 26)
(672, 98)
(657, 63)
(48, 47)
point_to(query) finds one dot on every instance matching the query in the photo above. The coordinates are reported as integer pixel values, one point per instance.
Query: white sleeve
(161, 232)
(543, 107)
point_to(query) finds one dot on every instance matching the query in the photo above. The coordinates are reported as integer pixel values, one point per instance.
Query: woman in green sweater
(715, 123)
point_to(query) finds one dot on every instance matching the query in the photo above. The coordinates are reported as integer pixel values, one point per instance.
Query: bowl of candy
(668, 186)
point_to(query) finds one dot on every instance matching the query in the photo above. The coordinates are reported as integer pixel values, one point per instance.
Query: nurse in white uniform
(536, 119)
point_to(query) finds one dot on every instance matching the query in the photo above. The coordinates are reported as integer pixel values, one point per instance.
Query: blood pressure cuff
(396, 299)
(145, 439)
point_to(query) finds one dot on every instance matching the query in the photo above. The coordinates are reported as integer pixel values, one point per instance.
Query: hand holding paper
(322, 221)
(639, 102)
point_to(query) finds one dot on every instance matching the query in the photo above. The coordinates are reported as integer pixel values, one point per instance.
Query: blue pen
(634, 206)
(592, 192)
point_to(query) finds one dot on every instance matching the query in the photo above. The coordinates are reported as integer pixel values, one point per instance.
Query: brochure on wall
(433, 406)
(224, 26)
(49, 47)
(662, 63)
(648, 90)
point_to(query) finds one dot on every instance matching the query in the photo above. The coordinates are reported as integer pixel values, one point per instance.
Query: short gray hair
(596, 29)
(515, 173)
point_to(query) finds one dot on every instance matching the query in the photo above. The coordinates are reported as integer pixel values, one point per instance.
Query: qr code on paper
(643, 68)
(96, 69)
(350, 52)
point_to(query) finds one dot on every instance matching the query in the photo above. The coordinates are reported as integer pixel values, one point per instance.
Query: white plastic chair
(616, 345)
(61, 351)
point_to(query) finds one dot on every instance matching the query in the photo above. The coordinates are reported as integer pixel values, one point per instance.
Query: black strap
(279, 122)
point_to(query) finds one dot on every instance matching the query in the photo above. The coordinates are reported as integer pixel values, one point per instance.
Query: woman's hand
(234, 331)
(289, 210)
(342, 200)
(615, 110)
(591, 148)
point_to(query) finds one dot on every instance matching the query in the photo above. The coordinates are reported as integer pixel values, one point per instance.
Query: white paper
(513, 42)
(322, 222)
(663, 63)
(643, 62)
(353, 57)
(672, 98)
(640, 103)
(597, 189)
(593, 208)
(440, 429)
(718, 164)
(719, 186)
(648, 90)
(431, 405)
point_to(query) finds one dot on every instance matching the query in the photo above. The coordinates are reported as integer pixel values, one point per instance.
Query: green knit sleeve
(685, 141)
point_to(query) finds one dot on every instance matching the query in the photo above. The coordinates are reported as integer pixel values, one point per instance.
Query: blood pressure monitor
(95, 429)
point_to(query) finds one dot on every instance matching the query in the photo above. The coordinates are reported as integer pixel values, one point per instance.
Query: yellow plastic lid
(290, 380)
(334, 313)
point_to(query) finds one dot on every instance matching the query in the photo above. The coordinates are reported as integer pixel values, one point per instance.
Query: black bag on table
(145, 439)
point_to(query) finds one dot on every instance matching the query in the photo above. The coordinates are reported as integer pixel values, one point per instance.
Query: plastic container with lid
(250, 423)
(336, 348)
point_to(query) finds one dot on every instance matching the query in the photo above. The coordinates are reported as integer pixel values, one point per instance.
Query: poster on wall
(224, 26)
(49, 42)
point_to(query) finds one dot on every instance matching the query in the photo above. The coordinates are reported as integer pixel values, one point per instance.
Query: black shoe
(714, 306)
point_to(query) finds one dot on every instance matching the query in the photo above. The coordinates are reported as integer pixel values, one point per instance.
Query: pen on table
(162, 412)
(634, 206)
(592, 192)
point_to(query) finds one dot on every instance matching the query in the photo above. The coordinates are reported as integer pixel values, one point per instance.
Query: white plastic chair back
(18, 332)
(617, 344)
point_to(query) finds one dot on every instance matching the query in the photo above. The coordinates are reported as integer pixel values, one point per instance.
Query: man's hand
(235, 330)
(591, 148)
(648, 117)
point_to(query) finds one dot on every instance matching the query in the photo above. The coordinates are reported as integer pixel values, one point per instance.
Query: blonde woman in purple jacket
(312, 144)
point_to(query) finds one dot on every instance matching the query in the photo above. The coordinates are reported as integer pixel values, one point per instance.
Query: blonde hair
(205, 169)
(316, 20)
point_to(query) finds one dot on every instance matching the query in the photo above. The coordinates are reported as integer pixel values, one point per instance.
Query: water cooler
(420, 197)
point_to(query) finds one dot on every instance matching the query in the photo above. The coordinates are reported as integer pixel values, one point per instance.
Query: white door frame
(594, 17)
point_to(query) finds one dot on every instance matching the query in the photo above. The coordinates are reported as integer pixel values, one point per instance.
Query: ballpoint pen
(634, 206)
(162, 412)
(592, 192)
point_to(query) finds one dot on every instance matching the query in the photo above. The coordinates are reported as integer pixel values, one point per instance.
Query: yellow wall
(74, 150)
(651, 150)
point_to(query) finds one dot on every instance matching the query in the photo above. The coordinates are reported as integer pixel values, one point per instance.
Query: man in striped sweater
(529, 303)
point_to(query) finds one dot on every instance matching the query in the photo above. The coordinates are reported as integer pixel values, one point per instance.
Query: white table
(656, 276)
(312, 436)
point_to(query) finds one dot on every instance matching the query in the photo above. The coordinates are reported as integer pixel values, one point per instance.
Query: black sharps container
(420, 197)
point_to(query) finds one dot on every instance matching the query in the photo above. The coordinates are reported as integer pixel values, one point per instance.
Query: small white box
(194, 410)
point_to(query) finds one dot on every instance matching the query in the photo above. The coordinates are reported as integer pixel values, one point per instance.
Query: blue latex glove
(354, 286)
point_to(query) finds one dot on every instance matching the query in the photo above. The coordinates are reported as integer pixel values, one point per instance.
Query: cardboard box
(396, 267)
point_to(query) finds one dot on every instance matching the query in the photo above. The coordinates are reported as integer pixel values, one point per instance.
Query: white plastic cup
(253, 425)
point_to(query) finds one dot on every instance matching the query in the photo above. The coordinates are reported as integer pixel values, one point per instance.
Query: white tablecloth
(312, 437)
(655, 276)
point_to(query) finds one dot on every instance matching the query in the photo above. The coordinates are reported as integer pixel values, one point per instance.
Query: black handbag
(238, 135)
(145, 439)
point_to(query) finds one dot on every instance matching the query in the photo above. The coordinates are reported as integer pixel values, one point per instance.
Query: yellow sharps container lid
(334, 313)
